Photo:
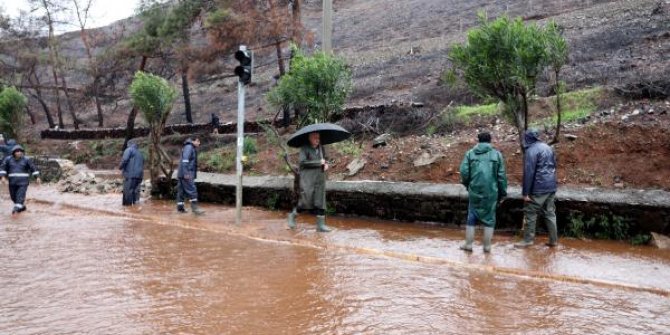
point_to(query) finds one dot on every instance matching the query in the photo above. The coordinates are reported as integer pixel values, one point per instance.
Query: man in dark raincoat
(313, 167)
(188, 172)
(483, 174)
(132, 165)
(539, 188)
(19, 169)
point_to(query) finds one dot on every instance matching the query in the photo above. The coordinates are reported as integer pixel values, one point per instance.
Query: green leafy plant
(154, 96)
(503, 59)
(318, 85)
(250, 146)
(348, 148)
(12, 111)
(272, 201)
(600, 227)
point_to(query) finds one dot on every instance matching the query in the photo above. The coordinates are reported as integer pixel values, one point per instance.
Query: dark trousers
(186, 188)
(18, 194)
(131, 191)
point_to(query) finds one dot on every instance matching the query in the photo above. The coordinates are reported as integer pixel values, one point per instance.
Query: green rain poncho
(483, 174)
(312, 179)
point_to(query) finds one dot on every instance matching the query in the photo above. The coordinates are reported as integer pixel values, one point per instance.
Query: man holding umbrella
(313, 168)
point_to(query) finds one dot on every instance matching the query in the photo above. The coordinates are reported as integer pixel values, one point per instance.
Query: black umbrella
(330, 133)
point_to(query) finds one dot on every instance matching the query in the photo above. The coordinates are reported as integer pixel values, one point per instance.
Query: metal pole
(240, 147)
(327, 29)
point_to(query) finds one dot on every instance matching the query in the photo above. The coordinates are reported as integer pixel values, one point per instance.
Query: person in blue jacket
(539, 188)
(6, 148)
(186, 175)
(18, 169)
(132, 165)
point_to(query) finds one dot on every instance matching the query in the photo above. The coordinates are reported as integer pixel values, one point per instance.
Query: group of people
(132, 167)
(483, 174)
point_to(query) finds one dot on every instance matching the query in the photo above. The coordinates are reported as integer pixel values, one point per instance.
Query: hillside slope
(398, 50)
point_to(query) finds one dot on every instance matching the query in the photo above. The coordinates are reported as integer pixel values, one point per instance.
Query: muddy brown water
(77, 264)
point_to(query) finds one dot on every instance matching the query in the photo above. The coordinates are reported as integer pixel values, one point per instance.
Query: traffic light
(245, 69)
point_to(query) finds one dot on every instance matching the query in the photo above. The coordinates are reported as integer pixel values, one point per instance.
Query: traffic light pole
(327, 28)
(240, 150)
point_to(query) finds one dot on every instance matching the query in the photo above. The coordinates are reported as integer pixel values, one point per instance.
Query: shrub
(12, 111)
(601, 227)
(250, 146)
(348, 148)
(317, 84)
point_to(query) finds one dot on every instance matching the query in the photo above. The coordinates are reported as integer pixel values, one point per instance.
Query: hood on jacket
(132, 144)
(483, 148)
(188, 141)
(11, 143)
(17, 148)
(530, 137)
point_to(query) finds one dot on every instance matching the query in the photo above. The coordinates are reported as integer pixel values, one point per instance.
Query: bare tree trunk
(130, 123)
(75, 120)
(38, 96)
(558, 90)
(31, 115)
(98, 105)
(297, 22)
(186, 92)
(280, 59)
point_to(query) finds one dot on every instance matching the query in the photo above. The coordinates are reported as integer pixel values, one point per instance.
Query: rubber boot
(196, 209)
(469, 238)
(291, 219)
(181, 209)
(553, 235)
(488, 235)
(321, 224)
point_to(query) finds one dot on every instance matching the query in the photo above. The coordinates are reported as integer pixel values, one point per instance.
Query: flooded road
(77, 264)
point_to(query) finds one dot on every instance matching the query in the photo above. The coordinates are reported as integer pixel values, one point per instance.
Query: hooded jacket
(483, 174)
(539, 168)
(132, 163)
(6, 150)
(188, 164)
(19, 170)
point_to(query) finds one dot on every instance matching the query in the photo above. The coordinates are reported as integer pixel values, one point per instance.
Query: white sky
(103, 12)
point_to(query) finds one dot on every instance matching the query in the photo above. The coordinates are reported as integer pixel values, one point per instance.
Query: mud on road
(82, 264)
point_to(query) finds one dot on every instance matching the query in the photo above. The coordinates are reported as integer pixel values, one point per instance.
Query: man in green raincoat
(483, 174)
(313, 167)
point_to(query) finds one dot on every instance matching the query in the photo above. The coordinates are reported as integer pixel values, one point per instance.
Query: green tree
(155, 97)
(318, 85)
(503, 59)
(12, 111)
(557, 56)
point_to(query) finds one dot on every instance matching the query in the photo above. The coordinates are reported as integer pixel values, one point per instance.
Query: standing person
(188, 172)
(313, 167)
(483, 174)
(132, 165)
(539, 188)
(6, 148)
(18, 168)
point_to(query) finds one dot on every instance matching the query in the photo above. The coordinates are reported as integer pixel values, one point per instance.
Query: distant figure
(188, 172)
(132, 165)
(215, 123)
(483, 174)
(6, 148)
(313, 167)
(18, 168)
(539, 188)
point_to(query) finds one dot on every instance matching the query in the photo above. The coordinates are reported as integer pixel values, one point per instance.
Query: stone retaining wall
(106, 133)
(438, 203)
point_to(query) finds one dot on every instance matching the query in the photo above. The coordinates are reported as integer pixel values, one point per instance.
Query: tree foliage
(503, 59)
(154, 96)
(318, 85)
(12, 111)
